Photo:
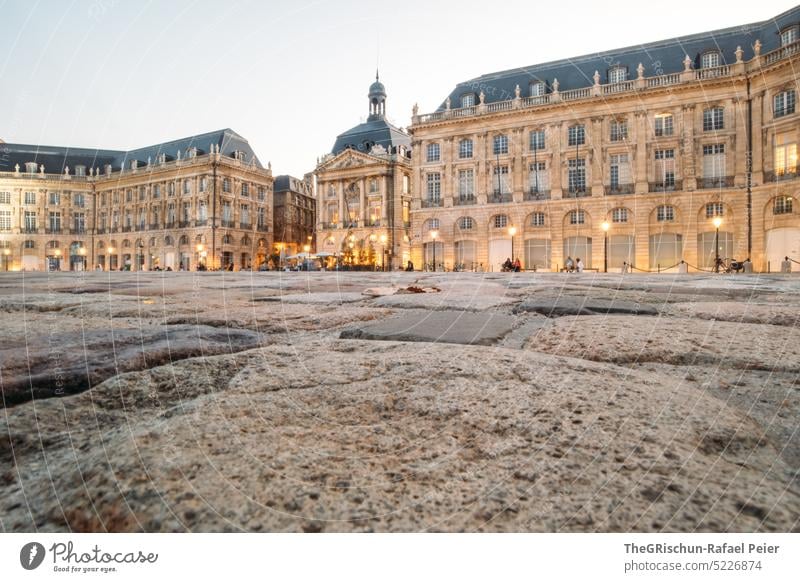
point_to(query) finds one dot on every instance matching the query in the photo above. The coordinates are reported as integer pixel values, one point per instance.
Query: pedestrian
(569, 266)
(517, 265)
(579, 265)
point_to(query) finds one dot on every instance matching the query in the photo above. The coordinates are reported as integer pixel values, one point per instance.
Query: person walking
(579, 265)
(569, 266)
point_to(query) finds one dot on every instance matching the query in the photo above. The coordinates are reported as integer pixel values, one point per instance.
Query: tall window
(789, 35)
(577, 175)
(500, 181)
(468, 100)
(202, 211)
(142, 222)
(128, 195)
(79, 200)
(434, 187)
(142, 193)
(620, 172)
(466, 223)
(500, 145)
(244, 215)
(203, 184)
(226, 185)
(55, 198)
(537, 88)
(714, 209)
(663, 124)
(665, 168)
(500, 221)
(619, 215)
(465, 149)
(617, 75)
(576, 135)
(5, 220)
(186, 210)
(537, 140)
(782, 205)
(466, 184)
(577, 217)
(261, 193)
(538, 180)
(619, 130)
(227, 211)
(665, 214)
(55, 222)
(373, 186)
(434, 152)
(538, 219)
(785, 154)
(30, 198)
(262, 216)
(30, 221)
(714, 161)
(5, 197)
(783, 104)
(710, 59)
(713, 119)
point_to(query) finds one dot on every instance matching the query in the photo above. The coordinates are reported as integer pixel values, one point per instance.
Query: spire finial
(377, 75)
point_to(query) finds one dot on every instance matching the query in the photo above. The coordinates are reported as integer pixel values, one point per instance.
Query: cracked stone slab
(449, 327)
(572, 305)
(323, 298)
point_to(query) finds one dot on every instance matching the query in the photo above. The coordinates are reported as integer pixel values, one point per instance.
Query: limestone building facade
(364, 193)
(628, 156)
(202, 200)
(294, 214)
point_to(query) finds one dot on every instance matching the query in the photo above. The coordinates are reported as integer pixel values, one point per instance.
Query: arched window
(789, 35)
(617, 74)
(29, 244)
(126, 243)
(227, 239)
(168, 241)
(184, 240)
(245, 241)
(782, 205)
(466, 223)
(714, 209)
(710, 59)
(499, 221)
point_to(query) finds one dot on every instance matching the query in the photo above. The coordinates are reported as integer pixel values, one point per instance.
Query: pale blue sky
(288, 75)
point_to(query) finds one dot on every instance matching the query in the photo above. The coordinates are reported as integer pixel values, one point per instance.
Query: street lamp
(383, 252)
(6, 254)
(373, 238)
(717, 223)
(605, 226)
(434, 235)
(512, 230)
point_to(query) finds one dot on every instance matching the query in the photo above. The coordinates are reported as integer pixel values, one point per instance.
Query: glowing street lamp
(6, 254)
(512, 230)
(717, 223)
(605, 226)
(383, 252)
(434, 236)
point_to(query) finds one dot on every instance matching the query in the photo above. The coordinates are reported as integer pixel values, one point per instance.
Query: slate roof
(56, 158)
(659, 58)
(377, 132)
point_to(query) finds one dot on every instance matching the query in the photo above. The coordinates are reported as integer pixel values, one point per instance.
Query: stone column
(342, 206)
(362, 202)
(687, 148)
(640, 171)
(758, 139)
(554, 139)
(739, 170)
(597, 157)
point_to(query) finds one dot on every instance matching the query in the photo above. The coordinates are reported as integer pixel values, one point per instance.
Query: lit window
(782, 205)
(619, 215)
(663, 124)
(434, 152)
(500, 221)
(783, 103)
(500, 144)
(785, 155)
(710, 60)
(665, 214)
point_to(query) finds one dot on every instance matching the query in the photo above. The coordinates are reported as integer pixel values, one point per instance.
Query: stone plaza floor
(346, 402)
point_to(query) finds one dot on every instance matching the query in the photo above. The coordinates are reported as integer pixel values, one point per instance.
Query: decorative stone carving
(739, 54)
(687, 64)
(16, 168)
(482, 98)
(66, 170)
(757, 48)
(446, 104)
(555, 85)
(596, 78)
(41, 169)
(415, 110)
(517, 92)
(640, 71)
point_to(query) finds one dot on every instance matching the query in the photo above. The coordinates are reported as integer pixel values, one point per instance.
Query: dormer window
(617, 74)
(191, 152)
(80, 170)
(31, 167)
(133, 164)
(710, 60)
(468, 100)
(789, 35)
(537, 88)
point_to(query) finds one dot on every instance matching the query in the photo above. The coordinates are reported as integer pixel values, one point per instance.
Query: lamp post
(717, 224)
(306, 250)
(373, 238)
(200, 254)
(383, 252)
(434, 235)
(605, 226)
(6, 254)
(512, 230)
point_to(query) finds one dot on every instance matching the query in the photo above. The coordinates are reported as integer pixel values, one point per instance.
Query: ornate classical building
(364, 192)
(201, 200)
(294, 212)
(674, 150)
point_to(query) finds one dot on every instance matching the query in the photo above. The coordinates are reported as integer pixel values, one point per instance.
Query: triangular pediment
(349, 159)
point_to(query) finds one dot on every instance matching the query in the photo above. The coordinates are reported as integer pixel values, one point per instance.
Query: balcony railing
(51, 230)
(500, 197)
(464, 200)
(245, 225)
(184, 224)
(535, 194)
(670, 186)
(79, 230)
(432, 203)
(226, 224)
(170, 224)
(773, 176)
(29, 230)
(262, 228)
(782, 53)
(615, 189)
(722, 182)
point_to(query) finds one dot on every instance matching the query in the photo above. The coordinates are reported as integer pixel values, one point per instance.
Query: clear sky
(289, 75)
